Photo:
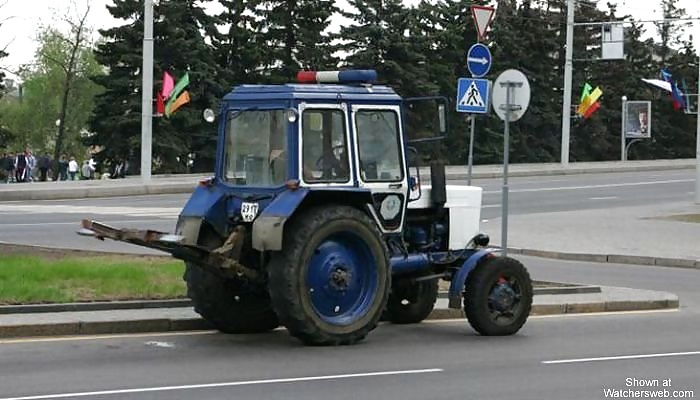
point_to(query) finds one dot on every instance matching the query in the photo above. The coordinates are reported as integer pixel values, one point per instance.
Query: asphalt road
(53, 223)
(569, 358)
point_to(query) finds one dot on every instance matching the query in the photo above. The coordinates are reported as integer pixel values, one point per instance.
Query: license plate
(249, 211)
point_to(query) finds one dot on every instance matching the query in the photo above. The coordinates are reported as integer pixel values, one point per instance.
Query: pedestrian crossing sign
(473, 96)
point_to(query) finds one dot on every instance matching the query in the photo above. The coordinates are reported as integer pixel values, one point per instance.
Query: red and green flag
(173, 96)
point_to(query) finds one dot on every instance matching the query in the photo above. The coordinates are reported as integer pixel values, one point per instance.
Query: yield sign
(483, 16)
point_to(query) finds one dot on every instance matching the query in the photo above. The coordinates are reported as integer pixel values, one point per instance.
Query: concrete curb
(94, 306)
(78, 328)
(177, 303)
(609, 258)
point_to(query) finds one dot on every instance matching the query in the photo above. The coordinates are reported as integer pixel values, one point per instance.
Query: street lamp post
(147, 92)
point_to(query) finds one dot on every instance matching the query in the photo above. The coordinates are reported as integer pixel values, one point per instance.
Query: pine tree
(293, 36)
(179, 48)
(116, 121)
(238, 51)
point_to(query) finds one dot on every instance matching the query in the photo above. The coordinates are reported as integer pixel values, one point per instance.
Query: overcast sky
(25, 15)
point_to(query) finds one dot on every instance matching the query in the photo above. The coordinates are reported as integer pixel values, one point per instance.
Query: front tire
(412, 302)
(330, 283)
(498, 296)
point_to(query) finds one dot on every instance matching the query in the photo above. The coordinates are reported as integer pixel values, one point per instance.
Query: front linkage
(221, 260)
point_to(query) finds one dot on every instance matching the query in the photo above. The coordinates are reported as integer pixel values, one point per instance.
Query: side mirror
(425, 119)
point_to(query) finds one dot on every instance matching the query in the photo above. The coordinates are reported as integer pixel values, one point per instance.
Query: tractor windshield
(256, 148)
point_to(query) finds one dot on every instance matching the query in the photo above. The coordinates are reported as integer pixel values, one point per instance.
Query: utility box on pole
(613, 41)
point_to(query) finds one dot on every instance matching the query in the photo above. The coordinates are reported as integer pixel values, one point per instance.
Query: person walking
(72, 168)
(44, 163)
(21, 167)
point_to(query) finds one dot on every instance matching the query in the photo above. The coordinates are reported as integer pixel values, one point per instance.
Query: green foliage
(419, 50)
(33, 120)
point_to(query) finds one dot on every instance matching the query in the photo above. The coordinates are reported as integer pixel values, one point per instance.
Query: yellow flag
(183, 99)
(589, 100)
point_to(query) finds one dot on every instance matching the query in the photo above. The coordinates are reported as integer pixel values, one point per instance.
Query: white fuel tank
(464, 204)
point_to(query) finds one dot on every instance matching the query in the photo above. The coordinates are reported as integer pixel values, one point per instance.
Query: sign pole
(623, 129)
(511, 97)
(471, 150)
(506, 151)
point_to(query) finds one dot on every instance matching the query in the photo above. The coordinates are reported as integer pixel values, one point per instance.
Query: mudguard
(268, 227)
(207, 203)
(460, 278)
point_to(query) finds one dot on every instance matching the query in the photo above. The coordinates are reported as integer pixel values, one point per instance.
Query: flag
(676, 94)
(183, 99)
(593, 108)
(168, 85)
(585, 92)
(589, 101)
(160, 104)
(175, 95)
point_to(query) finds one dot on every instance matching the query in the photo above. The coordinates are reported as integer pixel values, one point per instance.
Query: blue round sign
(479, 60)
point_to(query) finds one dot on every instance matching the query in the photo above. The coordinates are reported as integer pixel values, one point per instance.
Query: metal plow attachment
(221, 260)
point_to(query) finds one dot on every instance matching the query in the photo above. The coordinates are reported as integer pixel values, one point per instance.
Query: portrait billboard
(638, 119)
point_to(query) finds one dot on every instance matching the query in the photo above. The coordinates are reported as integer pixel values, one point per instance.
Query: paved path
(647, 231)
(574, 357)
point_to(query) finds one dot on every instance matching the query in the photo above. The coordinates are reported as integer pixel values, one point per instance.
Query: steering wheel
(334, 163)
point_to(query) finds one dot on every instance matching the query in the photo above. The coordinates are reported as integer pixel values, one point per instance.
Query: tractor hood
(221, 206)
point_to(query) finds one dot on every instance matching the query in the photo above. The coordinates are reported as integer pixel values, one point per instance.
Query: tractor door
(380, 158)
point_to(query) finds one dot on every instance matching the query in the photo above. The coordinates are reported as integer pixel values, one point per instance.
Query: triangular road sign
(483, 16)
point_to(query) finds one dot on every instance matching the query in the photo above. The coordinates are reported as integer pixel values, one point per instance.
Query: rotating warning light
(346, 76)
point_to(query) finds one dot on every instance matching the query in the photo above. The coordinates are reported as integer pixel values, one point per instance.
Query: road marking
(228, 384)
(609, 185)
(615, 358)
(105, 337)
(77, 223)
(603, 198)
(491, 206)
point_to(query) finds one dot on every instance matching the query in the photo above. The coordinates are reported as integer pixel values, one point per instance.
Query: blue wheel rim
(342, 279)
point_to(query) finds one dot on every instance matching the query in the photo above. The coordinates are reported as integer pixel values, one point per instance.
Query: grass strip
(42, 280)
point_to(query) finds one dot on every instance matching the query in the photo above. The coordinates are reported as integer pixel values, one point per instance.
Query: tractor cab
(333, 132)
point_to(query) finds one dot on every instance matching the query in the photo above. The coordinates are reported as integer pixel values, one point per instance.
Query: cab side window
(324, 146)
(379, 145)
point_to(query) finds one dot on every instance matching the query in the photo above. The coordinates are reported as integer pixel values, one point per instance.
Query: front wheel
(412, 302)
(330, 282)
(498, 296)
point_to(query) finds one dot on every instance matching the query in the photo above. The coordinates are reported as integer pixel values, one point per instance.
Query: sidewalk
(649, 235)
(173, 184)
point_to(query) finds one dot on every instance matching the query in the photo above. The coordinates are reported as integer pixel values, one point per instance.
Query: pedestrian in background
(72, 168)
(21, 167)
(31, 164)
(44, 163)
(10, 167)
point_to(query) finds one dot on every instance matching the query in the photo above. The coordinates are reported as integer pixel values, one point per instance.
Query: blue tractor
(316, 221)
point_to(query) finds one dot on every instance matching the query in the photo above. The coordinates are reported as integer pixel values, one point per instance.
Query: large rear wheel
(231, 306)
(330, 283)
